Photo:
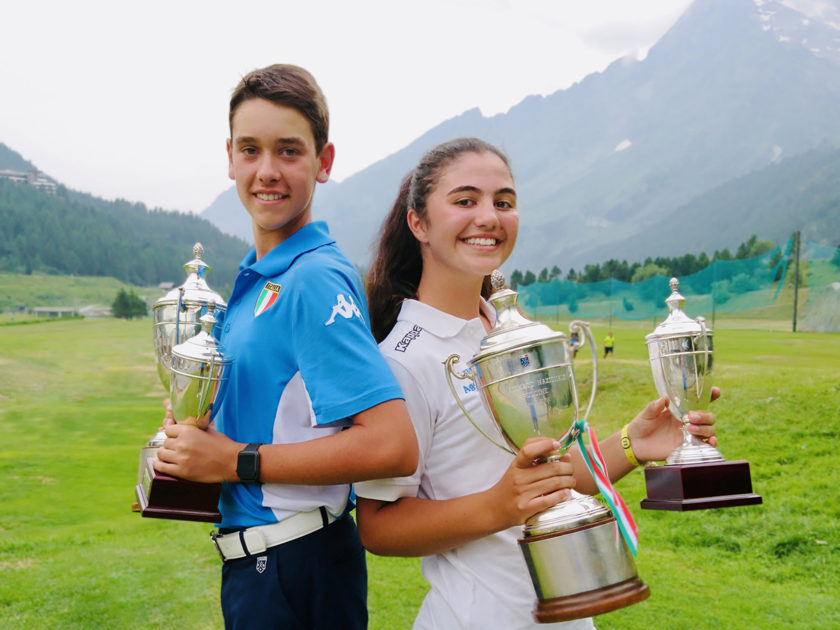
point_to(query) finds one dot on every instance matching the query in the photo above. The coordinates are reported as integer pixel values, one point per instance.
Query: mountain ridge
(724, 93)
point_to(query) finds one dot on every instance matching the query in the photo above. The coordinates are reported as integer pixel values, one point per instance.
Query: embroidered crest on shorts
(344, 306)
(268, 296)
(261, 563)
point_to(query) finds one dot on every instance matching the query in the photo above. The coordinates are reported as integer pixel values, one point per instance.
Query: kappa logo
(411, 335)
(261, 563)
(346, 307)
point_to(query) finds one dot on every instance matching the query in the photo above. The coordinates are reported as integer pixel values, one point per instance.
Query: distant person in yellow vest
(609, 344)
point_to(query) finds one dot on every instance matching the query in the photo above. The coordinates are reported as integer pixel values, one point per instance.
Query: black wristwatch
(248, 463)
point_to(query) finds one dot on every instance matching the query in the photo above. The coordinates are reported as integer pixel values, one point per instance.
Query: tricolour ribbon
(598, 470)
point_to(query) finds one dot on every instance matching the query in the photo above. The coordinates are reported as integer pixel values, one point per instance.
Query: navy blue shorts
(318, 581)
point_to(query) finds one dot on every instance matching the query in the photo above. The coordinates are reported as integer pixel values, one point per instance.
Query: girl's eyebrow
(468, 188)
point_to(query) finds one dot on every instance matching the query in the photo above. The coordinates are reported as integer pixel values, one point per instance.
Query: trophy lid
(195, 289)
(203, 347)
(512, 330)
(677, 324)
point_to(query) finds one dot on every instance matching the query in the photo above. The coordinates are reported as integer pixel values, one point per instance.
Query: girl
(454, 221)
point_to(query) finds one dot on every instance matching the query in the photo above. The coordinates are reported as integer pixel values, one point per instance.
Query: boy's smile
(273, 160)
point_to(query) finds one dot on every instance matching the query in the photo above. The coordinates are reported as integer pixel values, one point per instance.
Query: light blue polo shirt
(303, 363)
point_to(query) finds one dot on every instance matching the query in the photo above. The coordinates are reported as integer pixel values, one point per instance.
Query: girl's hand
(655, 432)
(531, 484)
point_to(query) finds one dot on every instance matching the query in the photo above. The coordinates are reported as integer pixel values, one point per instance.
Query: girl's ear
(417, 226)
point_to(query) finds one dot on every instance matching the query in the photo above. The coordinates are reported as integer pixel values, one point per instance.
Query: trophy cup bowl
(199, 374)
(695, 475)
(579, 564)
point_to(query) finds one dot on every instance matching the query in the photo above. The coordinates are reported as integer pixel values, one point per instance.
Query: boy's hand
(203, 455)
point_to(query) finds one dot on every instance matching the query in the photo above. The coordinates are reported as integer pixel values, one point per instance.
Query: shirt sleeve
(338, 358)
(423, 419)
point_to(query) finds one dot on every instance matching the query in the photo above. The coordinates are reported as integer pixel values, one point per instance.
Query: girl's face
(471, 219)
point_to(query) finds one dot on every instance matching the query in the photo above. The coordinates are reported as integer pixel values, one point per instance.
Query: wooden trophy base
(591, 603)
(683, 487)
(164, 496)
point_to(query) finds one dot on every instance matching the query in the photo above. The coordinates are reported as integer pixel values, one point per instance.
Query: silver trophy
(177, 314)
(579, 564)
(695, 475)
(177, 318)
(199, 374)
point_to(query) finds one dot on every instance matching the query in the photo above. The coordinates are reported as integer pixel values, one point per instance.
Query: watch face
(248, 463)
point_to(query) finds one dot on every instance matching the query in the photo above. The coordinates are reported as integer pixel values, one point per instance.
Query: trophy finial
(497, 280)
(208, 320)
(196, 265)
(675, 301)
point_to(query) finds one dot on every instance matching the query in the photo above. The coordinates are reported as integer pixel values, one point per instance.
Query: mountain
(734, 87)
(227, 213)
(11, 160)
(803, 189)
(73, 233)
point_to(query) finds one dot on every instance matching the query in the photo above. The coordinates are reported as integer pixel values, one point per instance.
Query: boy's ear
(326, 158)
(230, 159)
(415, 224)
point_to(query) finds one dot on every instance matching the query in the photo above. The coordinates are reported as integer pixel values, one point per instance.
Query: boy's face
(272, 158)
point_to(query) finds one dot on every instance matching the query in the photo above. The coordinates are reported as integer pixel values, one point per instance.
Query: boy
(609, 344)
(310, 404)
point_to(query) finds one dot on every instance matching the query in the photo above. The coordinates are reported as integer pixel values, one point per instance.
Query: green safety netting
(819, 300)
(725, 286)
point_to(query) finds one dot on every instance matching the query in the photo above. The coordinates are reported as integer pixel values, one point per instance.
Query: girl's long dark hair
(395, 273)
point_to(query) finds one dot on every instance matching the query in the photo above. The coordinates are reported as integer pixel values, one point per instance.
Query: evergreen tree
(127, 305)
(529, 278)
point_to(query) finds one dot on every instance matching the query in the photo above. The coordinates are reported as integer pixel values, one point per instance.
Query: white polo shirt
(485, 583)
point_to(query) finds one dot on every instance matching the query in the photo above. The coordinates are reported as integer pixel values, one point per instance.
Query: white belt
(257, 539)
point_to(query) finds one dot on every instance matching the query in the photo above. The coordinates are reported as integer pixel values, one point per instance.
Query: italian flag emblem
(268, 296)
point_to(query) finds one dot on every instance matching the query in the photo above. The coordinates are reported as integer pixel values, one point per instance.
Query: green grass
(76, 291)
(79, 398)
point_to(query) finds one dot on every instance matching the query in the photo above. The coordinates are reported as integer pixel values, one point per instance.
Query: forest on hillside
(667, 266)
(72, 233)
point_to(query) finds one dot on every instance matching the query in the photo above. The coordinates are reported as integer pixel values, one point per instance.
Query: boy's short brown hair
(288, 85)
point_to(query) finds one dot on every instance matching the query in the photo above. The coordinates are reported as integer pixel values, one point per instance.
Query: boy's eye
(289, 152)
(249, 150)
(504, 204)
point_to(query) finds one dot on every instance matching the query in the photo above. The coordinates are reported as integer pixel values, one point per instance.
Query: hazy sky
(129, 99)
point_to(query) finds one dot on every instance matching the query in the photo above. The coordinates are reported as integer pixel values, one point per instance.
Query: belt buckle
(213, 536)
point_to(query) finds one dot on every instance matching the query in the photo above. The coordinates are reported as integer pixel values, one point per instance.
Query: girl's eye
(464, 203)
(504, 204)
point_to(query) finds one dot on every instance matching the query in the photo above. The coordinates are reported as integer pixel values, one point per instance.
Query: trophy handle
(466, 375)
(584, 333)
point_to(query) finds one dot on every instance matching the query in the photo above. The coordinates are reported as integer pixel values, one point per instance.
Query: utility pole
(795, 278)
